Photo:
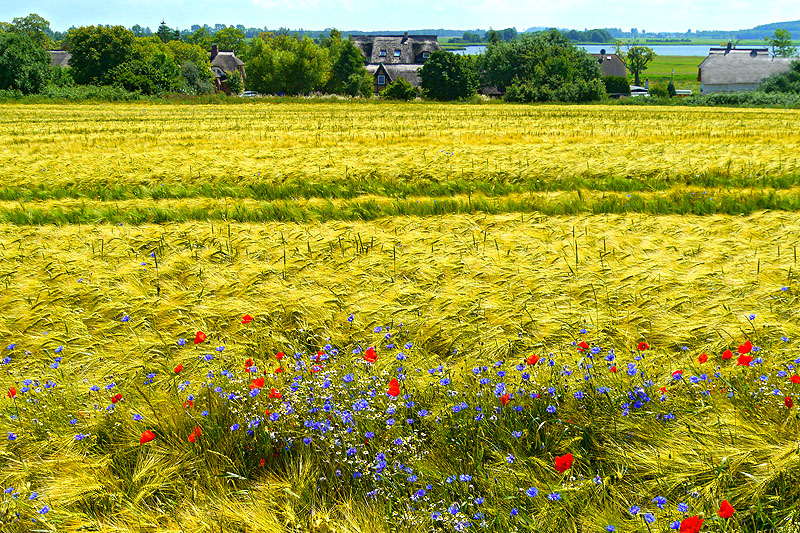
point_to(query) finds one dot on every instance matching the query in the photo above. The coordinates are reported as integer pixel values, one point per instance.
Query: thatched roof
(395, 49)
(59, 58)
(611, 64)
(410, 73)
(227, 61)
(740, 66)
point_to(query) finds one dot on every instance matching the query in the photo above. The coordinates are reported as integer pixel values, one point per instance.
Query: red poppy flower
(200, 337)
(370, 356)
(563, 463)
(116, 398)
(613, 369)
(196, 432)
(257, 383)
(279, 370)
(275, 393)
(793, 379)
(147, 436)
(279, 356)
(394, 388)
(692, 524)
(788, 402)
(262, 462)
(12, 392)
(703, 358)
(248, 364)
(745, 348)
(643, 346)
(744, 360)
(532, 359)
(678, 374)
(662, 390)
(505, 398)
(725, 509)
(188, 403)
(179, 369)
(583, 346)
(727, 354)
(192, 437)
(246, 319)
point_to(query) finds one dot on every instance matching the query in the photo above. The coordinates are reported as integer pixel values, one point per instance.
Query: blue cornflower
(33, 495)
(80, 437)
(125, 318)
(11, 346)
(610, 529)
(236, 426)
(551, 409)
(44, 510)
(59, 349)
(350, 317)
(9, 490)
(675, 524)
(516, 434)
(532, 492)
(554, 496)
(510, 458)
(453, 509)
(634, 510)
(649, 518)
(181, 341)
(683, 507)
(660, 501)
(137, 417)
(479, 501)
(752, 317)
(784, 289)
(514, 511)
(73, 421)
(12, 436)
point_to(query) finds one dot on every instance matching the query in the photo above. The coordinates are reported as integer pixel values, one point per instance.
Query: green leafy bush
(399, 90)
(617, 85)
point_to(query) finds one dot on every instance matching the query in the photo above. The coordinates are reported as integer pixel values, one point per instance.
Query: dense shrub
(399, 90)
(24, 66)
(617, 85)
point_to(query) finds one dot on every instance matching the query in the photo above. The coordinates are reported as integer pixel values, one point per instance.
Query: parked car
(249, 94)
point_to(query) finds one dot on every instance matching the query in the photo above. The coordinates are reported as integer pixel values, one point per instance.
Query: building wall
(708, 88)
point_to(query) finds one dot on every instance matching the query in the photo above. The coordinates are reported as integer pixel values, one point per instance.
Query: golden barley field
(341, 317)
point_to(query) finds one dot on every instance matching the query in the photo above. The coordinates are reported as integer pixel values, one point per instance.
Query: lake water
(698, 50)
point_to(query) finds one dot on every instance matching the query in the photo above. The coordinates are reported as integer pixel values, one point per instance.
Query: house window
(397, 53)
(381, 79)
(426, 55)
(383, 53)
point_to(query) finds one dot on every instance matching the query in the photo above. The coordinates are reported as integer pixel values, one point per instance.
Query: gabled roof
(399, 49)
(59, 58)
(410, 73)
(611, 64)
(741, 66)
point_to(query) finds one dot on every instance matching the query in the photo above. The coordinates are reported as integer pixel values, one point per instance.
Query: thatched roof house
(738, 69)
(611, 64)
(222, 65)
(396, 49)
(392, 57)
(59, 58)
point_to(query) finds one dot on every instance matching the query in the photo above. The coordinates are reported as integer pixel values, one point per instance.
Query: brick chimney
(214, 51)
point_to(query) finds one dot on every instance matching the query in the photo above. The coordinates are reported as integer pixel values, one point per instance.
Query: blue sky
(650, 15)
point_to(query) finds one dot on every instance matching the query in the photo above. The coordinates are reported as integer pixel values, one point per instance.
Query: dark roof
(59, 58)
(227, 61)
(611, 64)
(410, 73)
(409, 48)
(741, 66)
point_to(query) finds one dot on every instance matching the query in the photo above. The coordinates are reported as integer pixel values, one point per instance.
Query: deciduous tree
(781, 43)
(636, 58)
(24, 64)
(447, 76)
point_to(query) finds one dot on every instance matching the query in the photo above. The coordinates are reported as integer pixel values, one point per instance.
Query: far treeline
(113, 63)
